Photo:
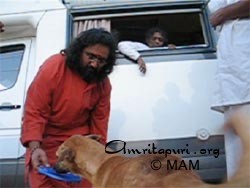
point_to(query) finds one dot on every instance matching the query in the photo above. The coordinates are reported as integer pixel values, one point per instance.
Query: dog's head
(66, 159)
(71, 153)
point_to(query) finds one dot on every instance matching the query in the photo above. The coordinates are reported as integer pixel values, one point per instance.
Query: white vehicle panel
(15, 94)
(174, 97)
(11, 119)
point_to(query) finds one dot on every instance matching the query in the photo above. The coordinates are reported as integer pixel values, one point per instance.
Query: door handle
(10, 107)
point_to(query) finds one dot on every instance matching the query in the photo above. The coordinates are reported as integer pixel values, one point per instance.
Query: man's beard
(89, 74)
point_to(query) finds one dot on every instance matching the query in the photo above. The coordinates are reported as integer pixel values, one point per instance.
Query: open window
(182, 28)
(185, 23)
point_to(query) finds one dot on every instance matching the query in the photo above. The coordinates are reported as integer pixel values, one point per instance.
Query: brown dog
(87, 157)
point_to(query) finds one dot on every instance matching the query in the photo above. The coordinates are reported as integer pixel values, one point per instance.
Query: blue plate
(67, 177)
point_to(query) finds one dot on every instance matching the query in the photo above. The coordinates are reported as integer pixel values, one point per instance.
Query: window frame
(13, 48)
(130, 10)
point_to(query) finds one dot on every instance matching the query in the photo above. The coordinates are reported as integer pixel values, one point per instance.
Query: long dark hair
(89, 38)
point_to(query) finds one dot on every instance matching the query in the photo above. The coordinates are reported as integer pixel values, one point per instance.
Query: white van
(169, 106)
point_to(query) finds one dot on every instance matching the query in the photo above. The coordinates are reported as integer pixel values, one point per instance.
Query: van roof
(14, 6)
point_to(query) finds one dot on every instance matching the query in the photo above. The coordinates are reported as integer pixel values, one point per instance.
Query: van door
(13, 70)
(14, 59)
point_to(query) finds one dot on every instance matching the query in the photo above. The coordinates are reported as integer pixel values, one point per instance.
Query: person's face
(157, 40)
(93, 59)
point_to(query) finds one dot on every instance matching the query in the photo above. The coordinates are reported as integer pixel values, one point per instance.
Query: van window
(186, 26)
(182, 29)
(10, 63)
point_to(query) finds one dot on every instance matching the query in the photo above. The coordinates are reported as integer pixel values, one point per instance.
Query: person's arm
(100, 115)
(36, 113)
(142, 65)
(130, 49)
(38, 155)
(240, 9)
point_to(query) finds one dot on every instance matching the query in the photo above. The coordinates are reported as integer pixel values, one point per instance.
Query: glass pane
(183, 29)
(10, 64)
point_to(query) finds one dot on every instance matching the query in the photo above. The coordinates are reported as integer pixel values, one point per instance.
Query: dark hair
(149, 33)
(90, 38)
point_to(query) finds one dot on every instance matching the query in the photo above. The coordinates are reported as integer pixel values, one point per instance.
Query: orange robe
(60, 104)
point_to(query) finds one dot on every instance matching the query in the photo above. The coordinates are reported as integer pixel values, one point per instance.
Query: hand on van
(142, 65)
(171, 46)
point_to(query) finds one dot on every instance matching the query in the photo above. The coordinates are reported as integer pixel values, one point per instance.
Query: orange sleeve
(100, 115)
(38, 102)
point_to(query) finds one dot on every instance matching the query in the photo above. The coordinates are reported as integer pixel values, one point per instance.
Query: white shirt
(131, 49)
(233, 69)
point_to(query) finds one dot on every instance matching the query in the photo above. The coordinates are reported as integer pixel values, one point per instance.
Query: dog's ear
(96, 137)
(69, 154)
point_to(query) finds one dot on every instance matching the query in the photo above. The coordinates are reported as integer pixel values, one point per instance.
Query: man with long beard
(69, 95)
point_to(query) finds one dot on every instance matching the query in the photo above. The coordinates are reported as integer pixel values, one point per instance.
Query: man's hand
(217, 18)
(171, 46)
(142, 65)
(38, 158)
(38, 155)
(240, 9)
